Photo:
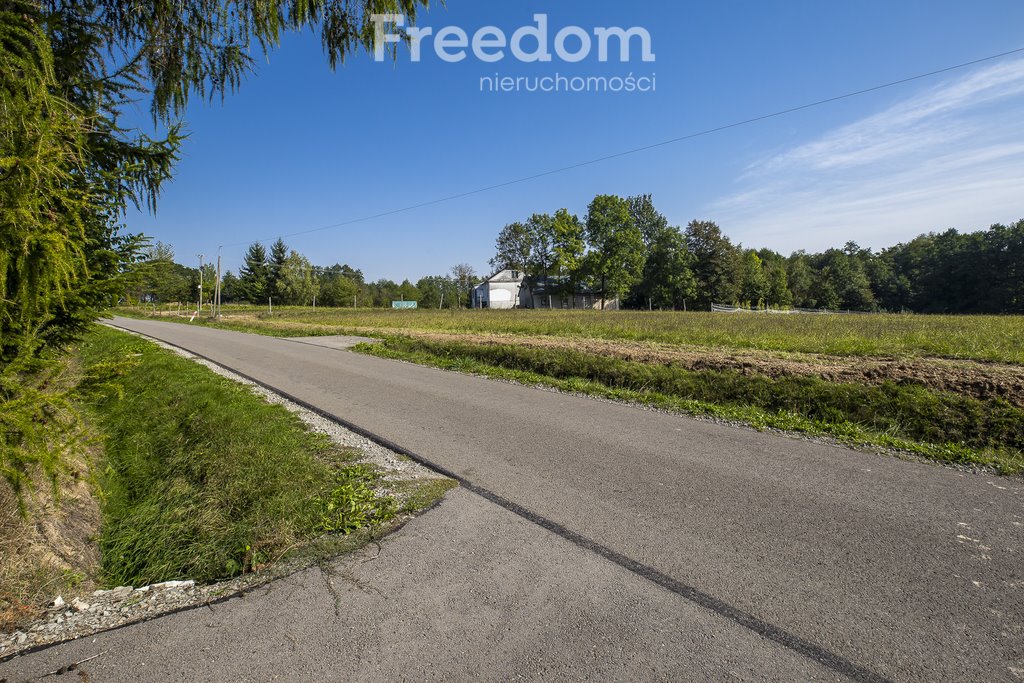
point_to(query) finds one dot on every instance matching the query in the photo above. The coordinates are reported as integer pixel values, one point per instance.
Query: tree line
(625, 249)
(282, 276)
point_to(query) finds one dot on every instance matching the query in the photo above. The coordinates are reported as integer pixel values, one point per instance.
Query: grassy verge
(937, 425)
(204, 480)
(984, 338)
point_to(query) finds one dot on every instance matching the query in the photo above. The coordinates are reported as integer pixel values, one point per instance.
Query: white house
(501, 290)
(514, 289)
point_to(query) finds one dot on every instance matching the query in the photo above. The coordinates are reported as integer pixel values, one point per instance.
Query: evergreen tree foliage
(69, 167)
(230, 289)
(275, 268)
(254, 275)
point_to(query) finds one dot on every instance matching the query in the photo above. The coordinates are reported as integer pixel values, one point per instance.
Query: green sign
(403, 304)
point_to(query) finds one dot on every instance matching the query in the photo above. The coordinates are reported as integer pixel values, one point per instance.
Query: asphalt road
(596, 540)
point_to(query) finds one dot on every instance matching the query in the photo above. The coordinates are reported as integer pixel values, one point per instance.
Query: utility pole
(216, 296)
(200, 282)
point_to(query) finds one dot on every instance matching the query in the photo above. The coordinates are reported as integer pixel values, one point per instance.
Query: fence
(721, 308)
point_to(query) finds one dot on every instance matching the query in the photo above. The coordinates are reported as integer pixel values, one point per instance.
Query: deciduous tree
(647, 219)
(716, 264)
(512, 248)
(464, 278)
(753, 283)
(568, 248)
(668, 280)
(297, 284)
(616, 255)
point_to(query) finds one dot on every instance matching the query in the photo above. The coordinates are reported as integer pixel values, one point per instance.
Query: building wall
(580, 301)
(502, 294)
(501, 290)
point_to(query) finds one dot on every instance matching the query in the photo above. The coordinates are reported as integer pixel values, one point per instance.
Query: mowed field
(949, 388)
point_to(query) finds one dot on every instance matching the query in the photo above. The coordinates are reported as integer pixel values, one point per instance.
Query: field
(986, 338)
(950, 388)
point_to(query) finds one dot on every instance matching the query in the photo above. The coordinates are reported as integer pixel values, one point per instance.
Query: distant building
(501, 290)
(514, 289)
(553, 292)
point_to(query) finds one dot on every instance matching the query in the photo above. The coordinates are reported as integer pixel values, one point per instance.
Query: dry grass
(48, 536)
(49, 551)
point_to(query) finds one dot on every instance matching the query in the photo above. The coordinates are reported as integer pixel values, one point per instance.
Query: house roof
(495, 277)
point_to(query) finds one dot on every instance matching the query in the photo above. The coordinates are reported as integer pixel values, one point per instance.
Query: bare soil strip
(969, 378)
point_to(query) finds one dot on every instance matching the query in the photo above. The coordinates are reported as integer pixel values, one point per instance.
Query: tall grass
(986, 338)
(204, 480)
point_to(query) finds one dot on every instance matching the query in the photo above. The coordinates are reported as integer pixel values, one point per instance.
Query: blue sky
(300, 146)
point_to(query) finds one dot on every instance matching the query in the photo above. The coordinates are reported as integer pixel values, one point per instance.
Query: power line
(636, 150)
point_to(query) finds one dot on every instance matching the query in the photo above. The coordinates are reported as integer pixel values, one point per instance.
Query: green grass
(204, 480)
(941, 426)
(985, 338)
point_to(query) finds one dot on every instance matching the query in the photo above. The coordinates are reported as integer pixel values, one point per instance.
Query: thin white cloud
(952, 155)
(921, 122)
